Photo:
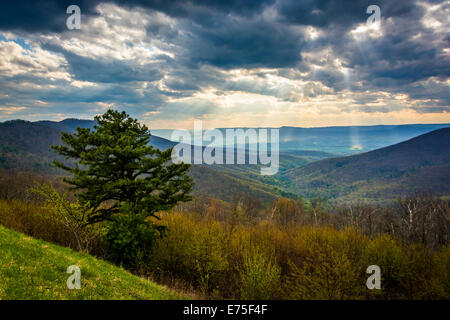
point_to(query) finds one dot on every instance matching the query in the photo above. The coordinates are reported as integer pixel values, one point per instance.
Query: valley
(376, 176)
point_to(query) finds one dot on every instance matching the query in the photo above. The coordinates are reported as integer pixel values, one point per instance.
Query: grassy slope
(35, 269)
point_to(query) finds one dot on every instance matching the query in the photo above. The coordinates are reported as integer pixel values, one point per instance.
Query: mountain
(68, 125)
(322, 142)
(342, 140)
(26, 145)
(350, 139)
(224, 186)
(419, 164)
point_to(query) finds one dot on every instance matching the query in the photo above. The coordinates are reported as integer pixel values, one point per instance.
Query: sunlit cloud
(271, 63)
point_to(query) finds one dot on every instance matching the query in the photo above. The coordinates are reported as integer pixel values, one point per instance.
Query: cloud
(242, 42)
(40, 16)
(226, 61)
(50, 15)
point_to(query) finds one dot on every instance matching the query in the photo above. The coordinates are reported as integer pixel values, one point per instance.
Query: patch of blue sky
(20, 41)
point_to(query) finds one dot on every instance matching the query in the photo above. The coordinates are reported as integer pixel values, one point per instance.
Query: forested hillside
(419, 164)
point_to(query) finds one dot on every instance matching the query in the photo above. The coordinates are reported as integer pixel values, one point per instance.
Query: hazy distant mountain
(421, 163)
(288, 160)
(343, 140)
(418, 164)
(352, 139)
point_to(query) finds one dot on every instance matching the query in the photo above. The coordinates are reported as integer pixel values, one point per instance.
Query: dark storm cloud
(230, 34)
(50, 15)
(40, 16)
(246, 43)
(340, 13)
(200, 10)
(208, 38)
(399, 55)
(323, 13)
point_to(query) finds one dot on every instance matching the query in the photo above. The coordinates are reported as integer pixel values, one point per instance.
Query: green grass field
(35, 269)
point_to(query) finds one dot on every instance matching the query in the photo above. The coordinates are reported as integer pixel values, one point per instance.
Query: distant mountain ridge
(343, 140)
(418, 164)
(351, 139)
(25, 145)
(71, 124)
(68, 125)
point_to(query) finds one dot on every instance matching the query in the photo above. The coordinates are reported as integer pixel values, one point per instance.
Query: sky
(228, 63)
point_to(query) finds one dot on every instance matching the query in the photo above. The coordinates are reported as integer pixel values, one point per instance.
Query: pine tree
(116, 167)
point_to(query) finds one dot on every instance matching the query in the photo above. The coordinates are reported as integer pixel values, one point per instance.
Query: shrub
(263, 260)
(384, 252)
(40, 222)
(442, 260)
(268, 261)
(420, 273)
(260, 277)
(129, 240)
(32, 220)
(72, 215)
(330, 268)
(193, 251)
